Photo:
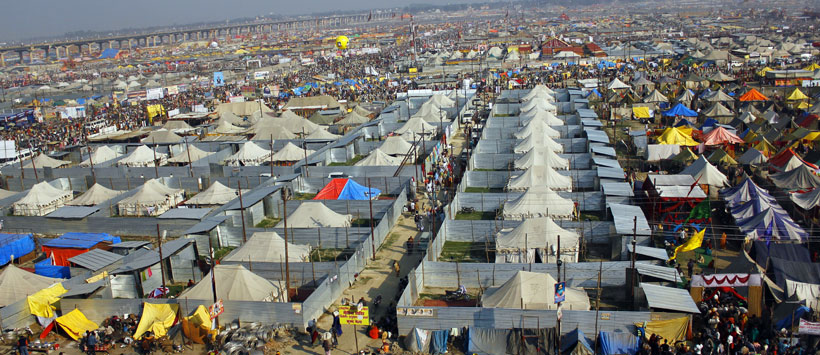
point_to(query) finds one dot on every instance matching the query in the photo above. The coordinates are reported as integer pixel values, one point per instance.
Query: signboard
(216, 309)
(806, 327)
(811, 83)
(350, 315)
(560, 294)
(219, 78)
(8, 149)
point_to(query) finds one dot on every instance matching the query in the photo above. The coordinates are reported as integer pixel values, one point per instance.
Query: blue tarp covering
(710, 122)
(783, 315)
(439, 343)
(680, 110)
(354, 191)
(109, 53)
(81, 240)
(14, 246)
(788, 251)
(569, 341)
(618, 343)
(44, 268)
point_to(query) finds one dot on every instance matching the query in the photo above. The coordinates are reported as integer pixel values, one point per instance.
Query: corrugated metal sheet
(95, 259)
(671, 180)
(73, 212)
(625, 218)
(83, 289)
(591, 123)
(680, 191)
(595, 135)
(611, 173)
(133, 244)
(651, 252)
(617, 189)
(586, 113)
(185, 213)
(251, 198)
(207, 225)
(610, 163)
(658, 272)
(674, 299)
(602, 150)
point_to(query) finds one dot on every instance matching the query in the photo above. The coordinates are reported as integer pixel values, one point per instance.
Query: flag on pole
(691, 244)
(693, 186)
(369, 16)
(702, 210)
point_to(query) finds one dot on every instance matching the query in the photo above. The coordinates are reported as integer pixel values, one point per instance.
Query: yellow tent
(672, 330)
(764, 147)
(677, 135)
(641, 112)
(40, 303)
(812, 136)
(796, 95)
(156, 318)
(75, 324)
(762, 72)
(197, 325)
(812, 67)
(803, 105)
(750, 137)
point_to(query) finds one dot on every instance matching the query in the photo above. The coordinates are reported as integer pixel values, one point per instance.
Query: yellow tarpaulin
(672, 330)
(97, 277)
(197, 326)
(75, 324)
(154, 110)
(677, 135)
(40, 303)
(156, 318)
(797, 95)
(691, 244)
(641, 112)
(812, 67)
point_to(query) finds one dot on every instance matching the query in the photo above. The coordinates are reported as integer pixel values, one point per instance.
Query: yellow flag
(691, 244)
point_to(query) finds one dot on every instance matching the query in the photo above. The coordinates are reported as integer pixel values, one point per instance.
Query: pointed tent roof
(431, 113)
(680, 110)
(269, 247)
(17, 284)
(151, 192)
(532, 290)
(101, 154)
(141, 156)
(800, 178)
(641, 81)
(753, 95)
(353, 118)
(540, 175)
(224, 126)
(747, 117)
(655, 96)
(441, 100)
(747, 190)
(537, 128)
(537, 140)
(216, 194)
(797, 95)
(42, 194)
(162, 136)
(290, 152)
(232, 118)
(540, 155)
(295, 123)
(416, 125)
(322, 134)
(537, 104)
(677, 135)
(539, 201)
(379, 158)
(720, 77)
(771, 224)
(720, 135)
(807, 200)
(752, 157)
(720, 156)
(686, 96)
(95, 195)
(718, 110)
(195, 154)
(44, 161)
(262, 132)
(719, 96)
(685, 156)
(532, 233)
(395, 145)
(616, 84)
(177, 126)
(235, 283)
(311, 214)
(547, 117)
(705, 173)
(249, 154)
(793, 163)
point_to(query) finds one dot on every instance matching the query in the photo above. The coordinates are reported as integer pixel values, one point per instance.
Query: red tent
(753, 95)
(720, 135)
(332, 190)
(783, 157)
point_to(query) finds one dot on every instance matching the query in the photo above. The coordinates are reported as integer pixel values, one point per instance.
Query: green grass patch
(361, 222)
(303, 196)
(221, 252)
(329, 254)
(429, 296)
(268, 222)
(485, 170)
(349, 162)
(464, 252)
(586, 216)
(485, 190)
(475, 216)
(174, 290)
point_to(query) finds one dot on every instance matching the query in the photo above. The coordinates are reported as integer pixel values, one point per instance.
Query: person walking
(327, 345)
(22, 345)
(91, 342)
(690, 266)
(396, 267)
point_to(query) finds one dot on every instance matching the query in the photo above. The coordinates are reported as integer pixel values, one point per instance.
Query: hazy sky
(24, 19)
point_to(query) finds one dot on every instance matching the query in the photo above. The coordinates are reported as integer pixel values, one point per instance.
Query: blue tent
(569, 341)
(680, 110)
(45, 268)
(346, 189)
(710, 122)
(618, 343)
(594, 91)
(81, 240)
(109, 53)
(14, 246)
(783, 314)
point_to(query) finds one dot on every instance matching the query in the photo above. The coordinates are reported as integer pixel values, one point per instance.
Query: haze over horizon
(22, 21)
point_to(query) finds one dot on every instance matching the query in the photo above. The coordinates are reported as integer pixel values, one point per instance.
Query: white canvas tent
(311, 214)
(290, 153)
(44, 161)
(17, 284)
(41, 200)
(395, 145)
(540, 175)
(533, 290)
(152, 199)
(541, 156)
(539, 201)
(235, 283)
(535, 236)
(193, 153)
(537, 128)
(705, 173)
(379, 158)
(265, 132)
(100, 155)
(215, 195)
(416, 125)
(162, 136)
(322, 134)
(224, 126)
(429, 112)
(248, 154)
(533, 141)
(546, 117)
(269, 247)
(537, 105)
(143, 157)
(616, 84)
(95, 195)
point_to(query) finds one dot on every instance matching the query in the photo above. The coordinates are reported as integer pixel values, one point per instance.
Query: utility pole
(370, 203)
(287, 264)
(161, 261)
(190, 163)
(156, 163)
(91, 161)
(213, 269)
(241, 209)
